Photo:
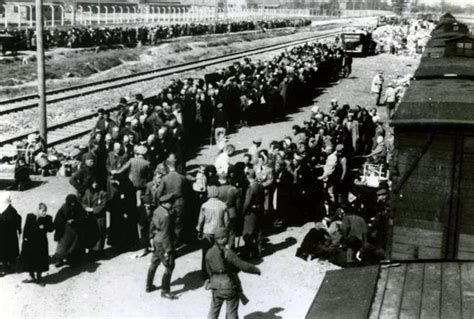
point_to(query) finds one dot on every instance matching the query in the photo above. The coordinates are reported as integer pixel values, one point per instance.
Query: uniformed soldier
(253, 211)
(229, 194)
(174, 183)
(162, 237)
(222, 266)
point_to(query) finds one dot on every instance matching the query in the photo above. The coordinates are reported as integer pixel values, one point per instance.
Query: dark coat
(95, 222)
(123, 216)
(253, 207)
(10, 228)
(69, 235)
(231, 197)
(34, 249)
(82, 179)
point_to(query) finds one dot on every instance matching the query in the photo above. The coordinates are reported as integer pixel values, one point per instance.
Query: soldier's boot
(149, 279)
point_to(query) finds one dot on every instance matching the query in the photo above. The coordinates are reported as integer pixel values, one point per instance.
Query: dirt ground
(115, 287)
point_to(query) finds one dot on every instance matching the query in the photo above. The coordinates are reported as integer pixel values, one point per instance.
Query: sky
(455, 2)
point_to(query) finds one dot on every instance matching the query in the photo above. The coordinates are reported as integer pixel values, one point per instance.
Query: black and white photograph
(254, 159)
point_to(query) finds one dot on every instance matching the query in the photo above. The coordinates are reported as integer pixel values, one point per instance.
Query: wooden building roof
(437, 102)
(425, 290)
(406, 290)
(438, 67)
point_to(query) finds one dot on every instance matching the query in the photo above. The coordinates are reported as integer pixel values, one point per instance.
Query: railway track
(69, 130)
(30, 101)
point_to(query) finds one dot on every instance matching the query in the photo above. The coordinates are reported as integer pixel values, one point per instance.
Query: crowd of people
(79, 37)
(408, 36)
(133, 173)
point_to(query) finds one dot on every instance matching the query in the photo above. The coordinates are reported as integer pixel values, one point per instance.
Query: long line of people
(134, 167)
(79, 37)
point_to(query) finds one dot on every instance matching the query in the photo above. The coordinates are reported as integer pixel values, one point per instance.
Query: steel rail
(125, 80)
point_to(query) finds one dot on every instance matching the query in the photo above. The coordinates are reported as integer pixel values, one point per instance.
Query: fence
(22, 15)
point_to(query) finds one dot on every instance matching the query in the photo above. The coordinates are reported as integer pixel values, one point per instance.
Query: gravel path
(115, 287)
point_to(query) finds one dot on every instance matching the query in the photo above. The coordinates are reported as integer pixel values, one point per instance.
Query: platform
(407, 290)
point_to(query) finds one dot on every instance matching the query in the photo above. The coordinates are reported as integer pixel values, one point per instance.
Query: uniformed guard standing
(222, 266)
(162, 236)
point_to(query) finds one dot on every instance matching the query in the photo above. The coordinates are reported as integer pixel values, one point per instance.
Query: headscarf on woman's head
(71, 199)
(5, 200)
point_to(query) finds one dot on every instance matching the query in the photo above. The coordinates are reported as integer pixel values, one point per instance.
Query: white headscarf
(5, 200)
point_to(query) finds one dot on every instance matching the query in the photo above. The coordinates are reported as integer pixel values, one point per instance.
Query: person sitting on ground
(313, 244)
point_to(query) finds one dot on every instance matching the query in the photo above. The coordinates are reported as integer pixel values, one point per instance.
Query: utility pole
(443, 5)
(40, 71)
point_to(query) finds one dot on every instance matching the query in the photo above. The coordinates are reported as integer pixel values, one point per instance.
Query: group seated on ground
(82, 37)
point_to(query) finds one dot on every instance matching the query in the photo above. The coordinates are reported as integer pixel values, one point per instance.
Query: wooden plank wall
(466, 202)
(420, 210)
(425, 290)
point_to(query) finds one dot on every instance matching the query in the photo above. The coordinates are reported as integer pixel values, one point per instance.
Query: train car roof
(440, 67)
(437, 102)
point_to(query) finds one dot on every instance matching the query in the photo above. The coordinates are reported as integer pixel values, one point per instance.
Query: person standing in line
(10, 229)
(213, 215)
(34, 250)
(162, 239)
(222, 266)
(94, 202)
(69, 232)
(253, 211)
(229, 194)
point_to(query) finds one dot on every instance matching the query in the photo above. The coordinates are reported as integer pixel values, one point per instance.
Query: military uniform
(231, 197)
(174, 183)
(162, 234)
(253, 207)
(222, 267)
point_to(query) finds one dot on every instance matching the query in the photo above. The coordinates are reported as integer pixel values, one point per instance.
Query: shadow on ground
(270, 314)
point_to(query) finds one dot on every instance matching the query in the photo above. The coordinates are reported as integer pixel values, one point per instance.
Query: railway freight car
(432, 207)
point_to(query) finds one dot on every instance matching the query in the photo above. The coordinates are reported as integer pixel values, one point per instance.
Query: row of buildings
(283, 4)
(18, 13)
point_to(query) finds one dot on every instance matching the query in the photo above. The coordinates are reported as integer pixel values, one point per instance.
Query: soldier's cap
(382, 192)
(212, 191)
(166, 198)
(221, 233)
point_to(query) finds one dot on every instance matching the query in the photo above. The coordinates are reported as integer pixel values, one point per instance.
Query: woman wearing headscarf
(123, 215)
(10, 229)
(34, 250)
(69, 226)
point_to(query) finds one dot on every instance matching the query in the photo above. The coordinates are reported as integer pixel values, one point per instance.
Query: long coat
(34, 249)
(69, 235)
(95, 224)
(253, 207)
(123, 216)
(10, 228)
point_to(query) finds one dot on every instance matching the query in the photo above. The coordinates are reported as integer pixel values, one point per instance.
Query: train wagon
(433, 171)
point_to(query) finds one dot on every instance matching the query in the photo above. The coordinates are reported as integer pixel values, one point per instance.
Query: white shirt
(222, 163)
